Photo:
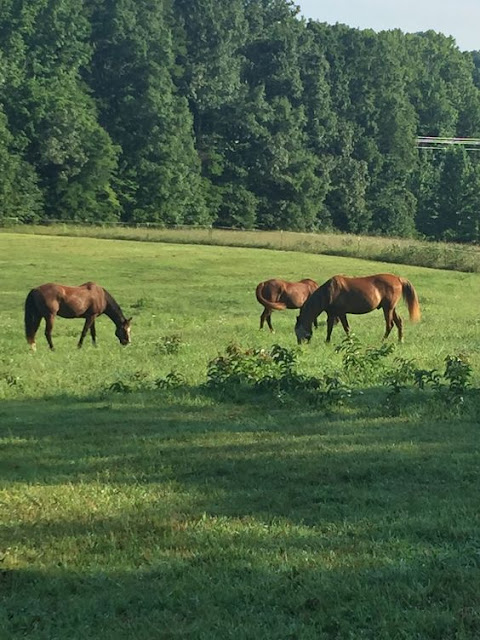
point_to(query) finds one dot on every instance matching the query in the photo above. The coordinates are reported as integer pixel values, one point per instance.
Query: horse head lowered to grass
(341, 295)
(87, 301)
(279, 294)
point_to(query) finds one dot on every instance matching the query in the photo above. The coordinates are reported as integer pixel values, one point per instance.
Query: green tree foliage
(20, 197)
(50, 113)
(158, 177)
(233, 113)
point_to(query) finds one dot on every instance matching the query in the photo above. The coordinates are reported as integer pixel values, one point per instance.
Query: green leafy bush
(169, 345)
(172, 380)
(271, 372)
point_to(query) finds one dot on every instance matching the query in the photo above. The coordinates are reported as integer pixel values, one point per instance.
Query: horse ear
(130, 320)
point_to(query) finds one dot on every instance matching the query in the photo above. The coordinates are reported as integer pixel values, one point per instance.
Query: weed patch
(241, 374)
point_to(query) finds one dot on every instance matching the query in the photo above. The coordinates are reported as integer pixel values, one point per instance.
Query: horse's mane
(328, 290)
(112, 304)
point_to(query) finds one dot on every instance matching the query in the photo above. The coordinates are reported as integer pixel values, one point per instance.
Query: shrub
(169, 345)
(172, 380)
(274, 374)
(362, 362)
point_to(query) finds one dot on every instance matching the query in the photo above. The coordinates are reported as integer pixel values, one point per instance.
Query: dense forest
(235, 113)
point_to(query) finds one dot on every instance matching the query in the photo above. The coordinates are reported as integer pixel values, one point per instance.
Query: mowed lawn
(155, 513)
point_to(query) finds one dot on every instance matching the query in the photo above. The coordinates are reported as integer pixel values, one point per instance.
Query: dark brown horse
(341, 295)
(280, 294)
(87, 301)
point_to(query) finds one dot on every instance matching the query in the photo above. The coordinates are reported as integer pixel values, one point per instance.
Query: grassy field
(437, 255)
(173, 513)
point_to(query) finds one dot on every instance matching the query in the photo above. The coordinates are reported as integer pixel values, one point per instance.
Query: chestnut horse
(341, 295)
(87, 301)
(279, 294)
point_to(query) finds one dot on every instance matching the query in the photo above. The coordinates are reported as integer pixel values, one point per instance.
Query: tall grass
(437, 255)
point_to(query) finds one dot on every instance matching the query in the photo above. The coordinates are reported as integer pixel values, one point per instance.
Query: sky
(457, 18)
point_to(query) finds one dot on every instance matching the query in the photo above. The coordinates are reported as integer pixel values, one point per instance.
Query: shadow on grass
(199, 520)
(242, 460)
(215, 597)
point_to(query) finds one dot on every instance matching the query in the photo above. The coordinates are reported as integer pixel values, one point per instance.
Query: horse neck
(112, 310)
(310, 310)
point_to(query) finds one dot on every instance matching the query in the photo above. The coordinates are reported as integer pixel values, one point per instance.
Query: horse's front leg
(86, 327)
(331, 320)
(49, 322)
(345, 325)
(93, 333)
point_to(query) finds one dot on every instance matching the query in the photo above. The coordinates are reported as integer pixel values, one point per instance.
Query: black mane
(113, 309)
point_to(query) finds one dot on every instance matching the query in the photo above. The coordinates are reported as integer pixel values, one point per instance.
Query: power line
(441, 142)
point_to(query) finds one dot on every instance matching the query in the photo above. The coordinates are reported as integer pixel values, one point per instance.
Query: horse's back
(48, 292)
(283, 292)
(310, 284)
(91, 286)
(296, 293)
(379, 281)
(364, 293)
(69, 301)
(52, 290)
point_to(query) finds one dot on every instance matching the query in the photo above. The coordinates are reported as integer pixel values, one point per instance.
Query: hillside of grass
(436, 255)
(138, 502)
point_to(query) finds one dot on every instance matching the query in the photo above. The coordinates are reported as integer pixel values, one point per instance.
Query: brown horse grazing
(341, 295)
(87, 301)
(280, 294)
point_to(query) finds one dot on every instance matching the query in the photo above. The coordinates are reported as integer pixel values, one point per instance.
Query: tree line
(234, 113)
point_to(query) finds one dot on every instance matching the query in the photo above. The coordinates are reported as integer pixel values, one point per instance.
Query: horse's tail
(268, 304)
(411, 298)
(32, 317)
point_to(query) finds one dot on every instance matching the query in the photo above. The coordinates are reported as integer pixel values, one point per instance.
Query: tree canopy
(234, 113)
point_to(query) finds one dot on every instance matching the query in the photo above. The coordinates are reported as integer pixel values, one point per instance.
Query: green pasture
(423, 253)
(173, 513)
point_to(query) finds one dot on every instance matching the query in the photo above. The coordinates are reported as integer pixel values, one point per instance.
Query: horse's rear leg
(49, 322)
(262, 318)
(388, 313)
(269, 321)
(399, 324)
(266, 316)
(32, 332)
